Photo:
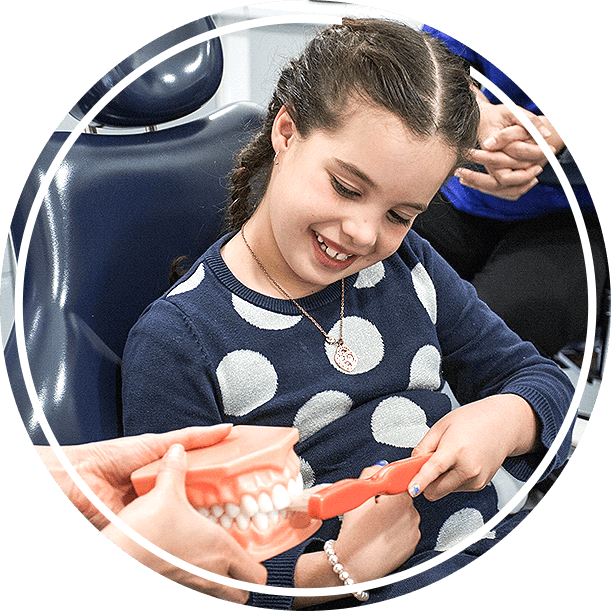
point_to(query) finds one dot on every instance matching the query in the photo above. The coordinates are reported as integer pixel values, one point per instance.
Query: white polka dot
(307, 473)
(425, 289)
(192, 282)
(370, 276)
(398, 422)
(322, 409)
(363, 338)
(425, 370)
(247, 380)
(263, 319)
(458, 526)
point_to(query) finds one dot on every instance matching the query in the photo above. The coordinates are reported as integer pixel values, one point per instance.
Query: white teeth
(332, 253)
(280, 497)
(262, 513)
(242, 522)
(265, 503)
(249, 506)
(226, 522)
(232, 510)
(295, 486)
(260, 521)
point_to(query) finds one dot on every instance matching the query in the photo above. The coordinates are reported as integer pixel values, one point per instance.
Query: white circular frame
(518, 498)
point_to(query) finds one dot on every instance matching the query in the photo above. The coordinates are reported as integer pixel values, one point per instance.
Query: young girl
(320, 310)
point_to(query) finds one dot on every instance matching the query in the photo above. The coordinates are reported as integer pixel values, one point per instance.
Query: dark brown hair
(379, 62)
(382, 62)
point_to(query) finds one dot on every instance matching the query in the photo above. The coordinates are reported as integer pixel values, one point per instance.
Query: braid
(253, 161)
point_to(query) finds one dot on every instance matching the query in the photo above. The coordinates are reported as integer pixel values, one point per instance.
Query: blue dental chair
(120, 208)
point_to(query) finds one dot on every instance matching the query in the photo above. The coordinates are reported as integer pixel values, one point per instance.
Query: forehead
(382, 147)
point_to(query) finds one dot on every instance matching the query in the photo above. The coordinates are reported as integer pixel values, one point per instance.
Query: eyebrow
(354, 171)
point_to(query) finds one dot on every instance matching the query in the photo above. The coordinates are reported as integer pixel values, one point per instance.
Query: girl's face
(338, 202)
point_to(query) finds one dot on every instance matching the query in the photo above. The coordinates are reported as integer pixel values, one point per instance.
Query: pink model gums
(246, 483)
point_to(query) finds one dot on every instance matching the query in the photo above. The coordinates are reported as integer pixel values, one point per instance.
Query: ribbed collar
(216, 263)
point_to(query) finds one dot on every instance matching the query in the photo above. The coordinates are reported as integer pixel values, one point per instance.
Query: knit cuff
(280, 573)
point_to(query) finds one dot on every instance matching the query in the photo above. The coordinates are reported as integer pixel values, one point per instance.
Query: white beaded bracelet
(340, 570)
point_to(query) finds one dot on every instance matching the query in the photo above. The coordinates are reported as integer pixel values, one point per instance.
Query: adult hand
(165, 517)
(471, 443)
(106, 466)
(510, 155)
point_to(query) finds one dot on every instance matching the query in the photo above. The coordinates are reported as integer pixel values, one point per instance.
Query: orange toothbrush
(329, 500)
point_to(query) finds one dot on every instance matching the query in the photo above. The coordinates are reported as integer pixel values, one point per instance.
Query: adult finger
(527, 151)
(497, 159)
(502, 137)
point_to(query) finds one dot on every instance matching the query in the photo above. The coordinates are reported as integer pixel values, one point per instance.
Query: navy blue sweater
(211, 350)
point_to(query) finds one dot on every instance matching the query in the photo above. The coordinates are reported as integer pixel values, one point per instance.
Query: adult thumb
(172, 470)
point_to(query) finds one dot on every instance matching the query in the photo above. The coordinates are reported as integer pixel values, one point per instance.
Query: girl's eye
(398, 219)
(342, 190)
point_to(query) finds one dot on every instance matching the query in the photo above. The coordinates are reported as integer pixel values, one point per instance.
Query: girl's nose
(362, 231)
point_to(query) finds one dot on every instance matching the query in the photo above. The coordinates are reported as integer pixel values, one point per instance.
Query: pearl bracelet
(341, 572)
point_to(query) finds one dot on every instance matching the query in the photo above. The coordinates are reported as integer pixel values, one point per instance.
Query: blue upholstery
(171, 90)
(119, 210)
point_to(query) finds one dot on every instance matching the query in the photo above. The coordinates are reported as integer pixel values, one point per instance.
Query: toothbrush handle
(349, 494)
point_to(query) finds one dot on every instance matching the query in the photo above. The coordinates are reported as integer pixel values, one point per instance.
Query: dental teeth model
(246, 484)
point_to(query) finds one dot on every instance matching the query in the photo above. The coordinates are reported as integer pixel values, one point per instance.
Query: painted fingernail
(414, 491)
(381, 463)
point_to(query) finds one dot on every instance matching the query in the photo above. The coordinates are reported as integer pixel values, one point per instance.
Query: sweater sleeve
(481, 357)
(167, 382)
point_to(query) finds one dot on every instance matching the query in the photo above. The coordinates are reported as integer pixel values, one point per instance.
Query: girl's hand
(471, 443)
(379, 536)
(374, 540)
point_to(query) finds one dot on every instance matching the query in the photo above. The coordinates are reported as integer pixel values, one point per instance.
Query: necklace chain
(328, 338)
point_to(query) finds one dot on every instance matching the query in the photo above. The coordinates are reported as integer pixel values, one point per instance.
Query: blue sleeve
(481, 357)
(167, 382)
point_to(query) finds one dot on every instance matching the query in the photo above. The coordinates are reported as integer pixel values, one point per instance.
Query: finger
(195, 436)
(369, 471)
(173, 470)
(517, 178)
(498, 159)
(501, 138)
(445, 484)
(436, 466)
(527, 151)
(244, 568)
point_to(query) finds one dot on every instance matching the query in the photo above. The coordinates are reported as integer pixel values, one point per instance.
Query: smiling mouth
(338, 256)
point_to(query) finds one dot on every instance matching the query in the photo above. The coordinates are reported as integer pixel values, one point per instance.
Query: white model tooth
(213, 519)
(232, 510)
(217, 511)
(242, 522)
(341, 257)
(299, 482)
(331, 252)
(293, 488)
(226, 522)
(260, 521)
(265, 503)
(204, 511)
(273, 517)
(280, 497)
(249, 506)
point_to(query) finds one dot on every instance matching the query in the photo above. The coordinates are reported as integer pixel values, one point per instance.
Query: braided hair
(382, 62)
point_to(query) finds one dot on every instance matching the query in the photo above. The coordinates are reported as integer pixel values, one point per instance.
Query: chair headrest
(173, 89)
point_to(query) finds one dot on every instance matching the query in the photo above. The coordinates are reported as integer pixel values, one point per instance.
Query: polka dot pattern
(459, 526)
(270, 370)
(363, 338)
(398, 422)
(247, 380)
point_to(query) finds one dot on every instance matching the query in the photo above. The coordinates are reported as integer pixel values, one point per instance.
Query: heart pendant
(345, 359)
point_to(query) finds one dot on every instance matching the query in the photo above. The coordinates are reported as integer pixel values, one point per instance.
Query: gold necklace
(344, 358)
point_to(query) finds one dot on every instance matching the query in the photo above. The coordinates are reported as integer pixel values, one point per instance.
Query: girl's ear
(284, 130)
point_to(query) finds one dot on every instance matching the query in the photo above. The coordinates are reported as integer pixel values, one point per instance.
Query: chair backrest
(118, 211)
